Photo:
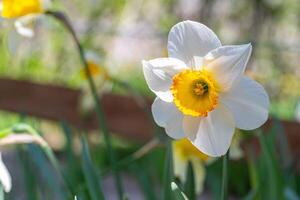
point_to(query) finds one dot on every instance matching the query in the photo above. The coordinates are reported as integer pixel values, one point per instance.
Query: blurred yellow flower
(24, 12)
(95, 70)
(183, 153)
(101, 78)
(19, 8)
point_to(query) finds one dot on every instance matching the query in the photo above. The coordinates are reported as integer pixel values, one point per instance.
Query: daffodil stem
(224, 191)
(98, 106)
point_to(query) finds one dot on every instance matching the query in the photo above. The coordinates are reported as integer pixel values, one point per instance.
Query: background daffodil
(101, 78)
(183, 153)
(202, 93)
(24, 13)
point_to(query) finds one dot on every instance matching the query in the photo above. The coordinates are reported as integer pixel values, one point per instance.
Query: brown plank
(124, 116)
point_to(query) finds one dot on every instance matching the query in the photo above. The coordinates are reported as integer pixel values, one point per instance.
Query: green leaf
(90, 174)
(224, 191)
(270, 168)
(1, 192)
(73, 173)
(177, 194)
(189, 186)
(30, 182)
(144, 181)
(168, 173)
(254, 178)
(46, 172)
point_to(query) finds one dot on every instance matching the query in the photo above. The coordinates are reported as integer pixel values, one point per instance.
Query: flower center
(195, 92)
(200, 88)
(18, 8)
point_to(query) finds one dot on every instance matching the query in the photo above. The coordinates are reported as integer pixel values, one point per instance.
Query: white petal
(168, 116)
(188, 39)
(228, 63)
(214, 134)
(24, 25)
(248, 101)
(159, 73)
(5, 177)
(198, 63)
(191, 126)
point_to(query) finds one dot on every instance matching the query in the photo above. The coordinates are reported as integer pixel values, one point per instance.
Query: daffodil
(183, 153)
(24, 13)
(202, 92)
(100, 76)
(5, 178)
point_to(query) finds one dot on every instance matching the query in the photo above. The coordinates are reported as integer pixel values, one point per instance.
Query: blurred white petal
(199, 173)
(25, 25)
(5, 177)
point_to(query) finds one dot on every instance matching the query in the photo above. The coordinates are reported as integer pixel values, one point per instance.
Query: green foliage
(50, 58)
(177, 194)
(168, 173)
(90, 174)
(189, 186)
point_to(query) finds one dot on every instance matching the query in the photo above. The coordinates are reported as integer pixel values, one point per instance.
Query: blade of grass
(1, 192)
(29, 177)
(177, 194)
(73, 172)
(90, 174)
(168, 173)
(224, 191)
(46, 172)
(144, 180)
(189, 186)
(272, 169)
(254, 177)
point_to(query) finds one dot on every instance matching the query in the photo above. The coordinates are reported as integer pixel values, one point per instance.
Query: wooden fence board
(124, 116)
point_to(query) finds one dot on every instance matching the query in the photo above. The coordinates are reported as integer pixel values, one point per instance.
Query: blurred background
(121, 33)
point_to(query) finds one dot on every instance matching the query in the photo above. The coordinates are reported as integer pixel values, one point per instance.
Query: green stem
(224, 192)
(99, 110)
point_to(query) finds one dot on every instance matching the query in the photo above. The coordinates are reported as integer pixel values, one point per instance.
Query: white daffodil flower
(201, 91)
(24, 13)
(5, 177)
